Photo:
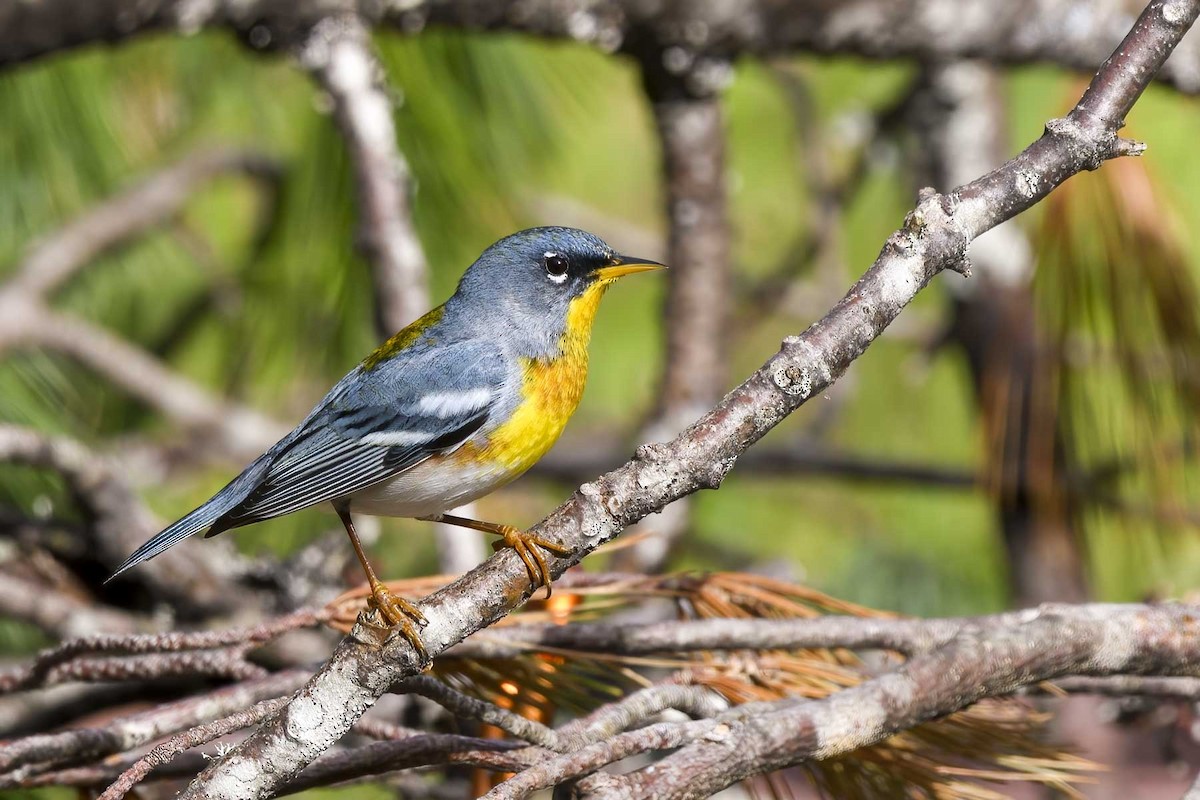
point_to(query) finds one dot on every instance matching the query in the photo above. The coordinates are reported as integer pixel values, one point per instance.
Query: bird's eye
(556, 266)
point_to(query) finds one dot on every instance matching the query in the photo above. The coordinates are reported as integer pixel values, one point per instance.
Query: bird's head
(551, 278)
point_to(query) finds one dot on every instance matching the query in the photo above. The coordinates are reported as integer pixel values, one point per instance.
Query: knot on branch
(1089, 145)
(793, 379)
(932, 229)
(1091, 140)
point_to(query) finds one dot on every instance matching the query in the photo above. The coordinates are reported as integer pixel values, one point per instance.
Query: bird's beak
(620, 266)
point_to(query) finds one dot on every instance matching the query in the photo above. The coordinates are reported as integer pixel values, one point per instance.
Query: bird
(452, 407)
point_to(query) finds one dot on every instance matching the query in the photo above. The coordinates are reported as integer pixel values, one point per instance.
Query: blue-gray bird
(457, 404)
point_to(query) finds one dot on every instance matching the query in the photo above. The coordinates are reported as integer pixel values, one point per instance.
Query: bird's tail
(194, 522)
(203, 517)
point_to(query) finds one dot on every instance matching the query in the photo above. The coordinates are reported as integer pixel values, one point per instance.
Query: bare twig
(122, 522)
(629, 639)
(52, 261)
(462, 705)
(418, 751)
(80, 745)
(201, 734)
(227, 663)
(1131, 686)
(240, 431)
(27, 320)
(613, 718)
(109, 645)
(588, 759)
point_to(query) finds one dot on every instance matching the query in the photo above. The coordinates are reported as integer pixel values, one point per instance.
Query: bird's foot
(400, 615)
(529, 548)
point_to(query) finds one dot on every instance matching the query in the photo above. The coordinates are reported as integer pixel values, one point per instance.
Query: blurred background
(1024, 436)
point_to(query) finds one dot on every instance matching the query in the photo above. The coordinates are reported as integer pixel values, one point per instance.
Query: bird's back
(415, 397)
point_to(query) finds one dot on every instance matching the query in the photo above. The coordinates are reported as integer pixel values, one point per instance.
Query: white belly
(431, 487)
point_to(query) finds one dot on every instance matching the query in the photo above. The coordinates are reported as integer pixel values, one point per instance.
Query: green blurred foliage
(488, 123)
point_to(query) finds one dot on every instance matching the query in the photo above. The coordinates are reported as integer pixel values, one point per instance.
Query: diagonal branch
(80, 745)
(55, 259)
(27, 319)
(122, 521)
(935, 236)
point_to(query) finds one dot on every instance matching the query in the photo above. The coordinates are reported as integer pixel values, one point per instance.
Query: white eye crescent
(556, 266)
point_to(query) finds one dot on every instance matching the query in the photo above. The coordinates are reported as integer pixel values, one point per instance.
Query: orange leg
(396, 611)
(526, 545)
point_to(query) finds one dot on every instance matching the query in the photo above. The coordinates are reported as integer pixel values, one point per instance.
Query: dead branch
(80, 745)
(108, 645)
(228, 663)
(468, 707)
(1078, 34)
(419, 751)
(680, 636)
(613, 718)
(151, 203)
(586, 760)
(27, 320)
(1131, 686)
(61, 614)
(240, 431)
(935, 237)
(121, 522)
(194, 737)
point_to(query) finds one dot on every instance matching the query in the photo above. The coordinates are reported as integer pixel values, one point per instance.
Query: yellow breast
(551, 389)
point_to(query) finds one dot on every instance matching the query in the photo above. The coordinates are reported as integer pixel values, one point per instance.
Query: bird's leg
(396, 611)
(525, 544)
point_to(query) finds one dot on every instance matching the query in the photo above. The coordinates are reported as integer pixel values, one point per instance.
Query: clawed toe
(529, 548)
(399, 614)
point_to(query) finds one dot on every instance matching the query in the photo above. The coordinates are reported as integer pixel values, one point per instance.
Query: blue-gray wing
(375, 424)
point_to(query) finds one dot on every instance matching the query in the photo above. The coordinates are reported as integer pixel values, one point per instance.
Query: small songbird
(459, 403)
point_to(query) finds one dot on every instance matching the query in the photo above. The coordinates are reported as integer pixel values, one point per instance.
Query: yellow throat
(552, 388)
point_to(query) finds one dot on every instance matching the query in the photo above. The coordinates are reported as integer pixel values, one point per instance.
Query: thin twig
(114, 736)
(469, 707)
(194, 737)
(110, 645)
